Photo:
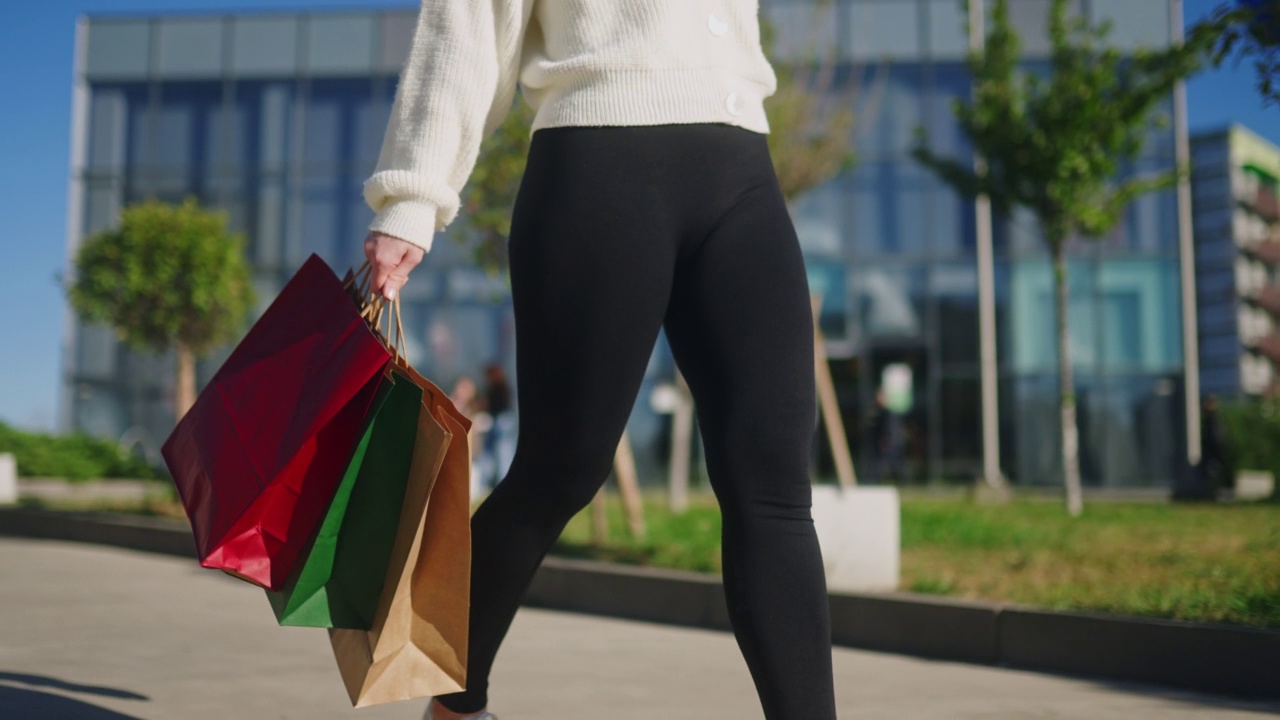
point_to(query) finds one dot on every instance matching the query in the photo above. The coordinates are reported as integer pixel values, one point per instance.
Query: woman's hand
(392, 259)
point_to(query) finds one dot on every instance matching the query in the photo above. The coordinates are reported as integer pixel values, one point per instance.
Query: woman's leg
(591, 269)
(740, 328)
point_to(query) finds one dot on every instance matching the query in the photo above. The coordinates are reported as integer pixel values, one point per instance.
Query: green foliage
(74, 457)
(169, 276)
(810, 119)
(1252, 429)
(1247, 29)
(491, 190)
(1055, 144)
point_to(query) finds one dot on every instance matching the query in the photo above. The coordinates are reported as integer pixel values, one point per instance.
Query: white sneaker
(482, 715)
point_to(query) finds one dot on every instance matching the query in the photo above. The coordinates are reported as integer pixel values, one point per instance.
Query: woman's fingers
(392, 259)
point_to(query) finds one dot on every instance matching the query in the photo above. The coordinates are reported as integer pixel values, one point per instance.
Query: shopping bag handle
(363, 275)
(377, 310)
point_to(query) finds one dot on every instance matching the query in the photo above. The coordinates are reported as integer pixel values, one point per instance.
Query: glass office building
(278, 118)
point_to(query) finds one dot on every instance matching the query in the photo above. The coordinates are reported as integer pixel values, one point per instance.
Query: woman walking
(649, 202)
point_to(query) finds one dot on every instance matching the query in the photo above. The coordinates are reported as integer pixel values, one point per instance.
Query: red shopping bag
(257, 458)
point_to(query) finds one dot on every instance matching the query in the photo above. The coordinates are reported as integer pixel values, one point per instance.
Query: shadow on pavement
(28, 702)
(1198, 698)
(56, 684)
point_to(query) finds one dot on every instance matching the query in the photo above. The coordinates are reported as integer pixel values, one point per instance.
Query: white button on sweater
(577, 62)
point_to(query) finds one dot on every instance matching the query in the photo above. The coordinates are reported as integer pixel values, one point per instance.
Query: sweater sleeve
(456, 87)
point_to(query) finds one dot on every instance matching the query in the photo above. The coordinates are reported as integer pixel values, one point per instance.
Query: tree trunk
(185, 396)
(1066, 384)
(599, 519)
(681, 447)
(624, 467)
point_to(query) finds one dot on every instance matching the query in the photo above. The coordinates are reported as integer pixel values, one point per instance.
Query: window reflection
(890, 301)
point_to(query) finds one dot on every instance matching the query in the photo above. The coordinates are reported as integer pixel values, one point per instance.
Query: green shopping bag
(338, 583)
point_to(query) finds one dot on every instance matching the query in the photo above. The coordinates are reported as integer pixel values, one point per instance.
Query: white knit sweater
(577, 62)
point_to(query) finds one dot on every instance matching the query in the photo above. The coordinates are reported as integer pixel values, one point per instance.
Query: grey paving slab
(100, 633)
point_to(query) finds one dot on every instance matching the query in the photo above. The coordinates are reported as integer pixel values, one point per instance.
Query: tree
(810, 117)
(491, 190)
(1056, 145)
(170, 277)
(1249, 28)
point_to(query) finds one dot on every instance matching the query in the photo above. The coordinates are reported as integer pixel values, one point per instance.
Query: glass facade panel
(885, 30)
(340, 45)
(1138, 333)
(953, 231)
(118, 49)
(1031, 20)
(888, 199)
(394, 40)
(890, 301)
(190, 47)
(960, 400)
(802, 31)
(108, 123)
(1149, 224)
(1135, 23)
(263, 125)
(264, 46)
(948, 30)
(955, 288)
(943, 134)
(1034, 337)
(102, 205)
(890, 110)
(188, 131)
(818, 216)
(339, 122)
(1134, 427)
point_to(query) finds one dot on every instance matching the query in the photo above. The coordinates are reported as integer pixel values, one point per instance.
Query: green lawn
(1193, 562)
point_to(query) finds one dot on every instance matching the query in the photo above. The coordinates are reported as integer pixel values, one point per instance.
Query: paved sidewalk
(100, 634)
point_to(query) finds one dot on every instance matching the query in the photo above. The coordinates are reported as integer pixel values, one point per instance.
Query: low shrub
(74, 457)
(1252, 429)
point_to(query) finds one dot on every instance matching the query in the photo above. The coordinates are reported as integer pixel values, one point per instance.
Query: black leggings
(618, 232)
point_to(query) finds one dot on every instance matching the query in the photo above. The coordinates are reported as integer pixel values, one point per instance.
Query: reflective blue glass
(1133, 428)
(118, 49)
(340, 45)
(885, 30)
(190, 47)
(889, 301)
(890, 108)
(264, 46)
(338, 121)
(887, 203)
(948, 30)
(818, 216)
(949, 82)
(954, 287)
(1033, 330)
(263, 128)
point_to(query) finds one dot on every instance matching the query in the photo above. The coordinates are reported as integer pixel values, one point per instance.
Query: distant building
(278, 117)
(1236, 200)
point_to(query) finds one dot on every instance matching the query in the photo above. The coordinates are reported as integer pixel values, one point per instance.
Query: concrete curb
(1191, 656)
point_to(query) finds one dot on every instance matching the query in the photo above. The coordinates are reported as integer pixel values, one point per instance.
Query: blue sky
(36, 41)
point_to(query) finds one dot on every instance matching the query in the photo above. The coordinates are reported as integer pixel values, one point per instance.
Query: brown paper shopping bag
(417, 646)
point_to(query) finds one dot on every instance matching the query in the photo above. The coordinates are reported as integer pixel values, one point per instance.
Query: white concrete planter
(8, 479)
(859, 531)
(1254, 484)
